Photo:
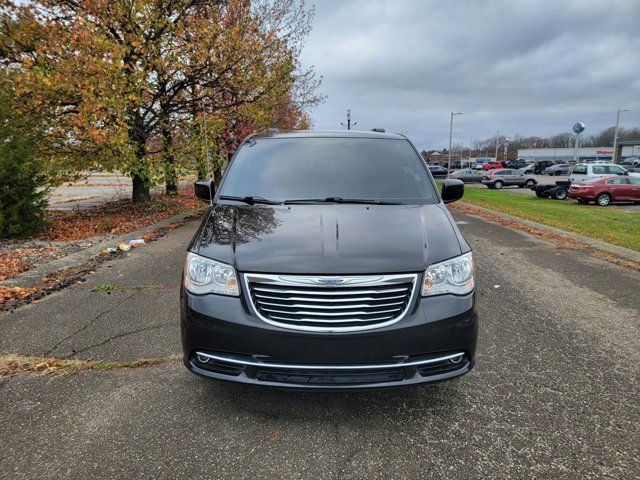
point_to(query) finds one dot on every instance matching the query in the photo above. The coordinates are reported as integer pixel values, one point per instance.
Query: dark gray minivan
(328, 260)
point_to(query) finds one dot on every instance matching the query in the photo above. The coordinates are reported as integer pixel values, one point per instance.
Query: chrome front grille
(329, 303)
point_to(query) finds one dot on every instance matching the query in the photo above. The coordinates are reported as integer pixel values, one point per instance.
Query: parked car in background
(492, 165)
(591, 170)
(438, 170)
(631, 165)
(478, 164)
(518, 163)
(606, 190)
(508, 177)
(528, 168)
(468, 175)
(540, 165)
(558, 169)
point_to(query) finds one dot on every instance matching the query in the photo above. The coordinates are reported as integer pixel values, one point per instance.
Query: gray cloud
(533, 67)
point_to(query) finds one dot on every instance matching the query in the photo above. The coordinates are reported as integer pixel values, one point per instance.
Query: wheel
(530, 183)
(603, 199)
(559, 193)
(497, 184)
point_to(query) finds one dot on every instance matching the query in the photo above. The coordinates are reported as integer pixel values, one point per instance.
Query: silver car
(504, 177)
(468, 175)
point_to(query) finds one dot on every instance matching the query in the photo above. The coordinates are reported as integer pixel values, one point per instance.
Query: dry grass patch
(11, 365)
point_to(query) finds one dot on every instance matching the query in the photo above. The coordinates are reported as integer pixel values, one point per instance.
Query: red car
(492, 165)
(604, 190)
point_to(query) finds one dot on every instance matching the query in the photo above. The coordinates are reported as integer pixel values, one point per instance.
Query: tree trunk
(141, 191)
(140, 174)
(201, 168)
(170, 174)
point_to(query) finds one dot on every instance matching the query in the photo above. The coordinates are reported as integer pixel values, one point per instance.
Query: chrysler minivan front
(328, 260)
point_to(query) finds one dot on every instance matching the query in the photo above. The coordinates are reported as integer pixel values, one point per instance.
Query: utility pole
(451, 137)
(506, 144)
(497, 139)
(615, 135)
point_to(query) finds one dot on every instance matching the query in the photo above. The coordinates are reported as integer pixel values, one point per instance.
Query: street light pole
(615, 135)
(348, 125)
(506, 144)
(451, 136)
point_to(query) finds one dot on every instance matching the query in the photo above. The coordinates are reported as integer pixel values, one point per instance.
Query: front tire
(497, 184)
(530, 183)
(559, 194)
(603, 200)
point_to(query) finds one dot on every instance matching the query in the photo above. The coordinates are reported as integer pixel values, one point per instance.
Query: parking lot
(554, 394)
(550, 180)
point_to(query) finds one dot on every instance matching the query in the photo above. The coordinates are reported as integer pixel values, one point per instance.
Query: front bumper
(435, 341)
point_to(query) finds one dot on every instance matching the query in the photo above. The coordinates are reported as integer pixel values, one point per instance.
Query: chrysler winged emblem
(329, 281)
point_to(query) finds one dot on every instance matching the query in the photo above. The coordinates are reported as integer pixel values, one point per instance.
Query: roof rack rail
(379, 130)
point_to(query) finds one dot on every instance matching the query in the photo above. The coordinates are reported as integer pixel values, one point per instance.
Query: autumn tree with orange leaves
(140, 86)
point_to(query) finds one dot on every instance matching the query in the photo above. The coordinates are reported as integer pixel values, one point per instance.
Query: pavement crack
(90, 322)
(121, 335)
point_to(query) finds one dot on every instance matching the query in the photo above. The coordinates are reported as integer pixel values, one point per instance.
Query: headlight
(203, 275)
(451, 276)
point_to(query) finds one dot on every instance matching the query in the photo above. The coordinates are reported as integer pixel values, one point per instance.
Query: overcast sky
(530, 67)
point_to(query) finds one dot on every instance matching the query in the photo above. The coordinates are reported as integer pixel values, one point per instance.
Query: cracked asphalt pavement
(554, 394)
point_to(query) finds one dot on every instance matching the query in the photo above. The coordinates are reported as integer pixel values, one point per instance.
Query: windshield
(300, 168)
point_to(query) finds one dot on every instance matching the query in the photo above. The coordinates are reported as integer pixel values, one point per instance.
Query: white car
(583, 171)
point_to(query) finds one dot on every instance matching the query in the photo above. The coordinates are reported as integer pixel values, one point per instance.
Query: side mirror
(204, 190)
(452, 190)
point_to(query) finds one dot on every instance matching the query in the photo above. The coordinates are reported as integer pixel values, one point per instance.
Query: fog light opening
(202, 358)
(457, 359)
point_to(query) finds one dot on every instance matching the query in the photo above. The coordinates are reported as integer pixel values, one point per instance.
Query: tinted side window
(634, 181)
(615, 170)
(599, 170)
(580, 169)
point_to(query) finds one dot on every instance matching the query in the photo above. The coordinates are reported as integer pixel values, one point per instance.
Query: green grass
(106, 287)
(609, 224)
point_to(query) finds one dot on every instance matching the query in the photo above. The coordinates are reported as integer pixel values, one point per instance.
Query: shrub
(22, 173)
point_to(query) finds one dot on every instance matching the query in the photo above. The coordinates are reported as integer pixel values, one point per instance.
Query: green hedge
(22, 173)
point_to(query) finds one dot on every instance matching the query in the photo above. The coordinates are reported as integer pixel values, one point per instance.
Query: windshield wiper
(365, 201)
(251, 200)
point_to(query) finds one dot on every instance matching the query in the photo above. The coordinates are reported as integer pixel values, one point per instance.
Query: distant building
(584, 153)
(438, 158)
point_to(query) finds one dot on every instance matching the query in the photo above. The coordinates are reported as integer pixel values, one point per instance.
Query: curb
(622, 252)
(33, 276)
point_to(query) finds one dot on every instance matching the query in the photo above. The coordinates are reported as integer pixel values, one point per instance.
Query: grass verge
(11, 365)
(608, 224)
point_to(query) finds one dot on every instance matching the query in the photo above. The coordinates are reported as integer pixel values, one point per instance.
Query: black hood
(329, 239)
